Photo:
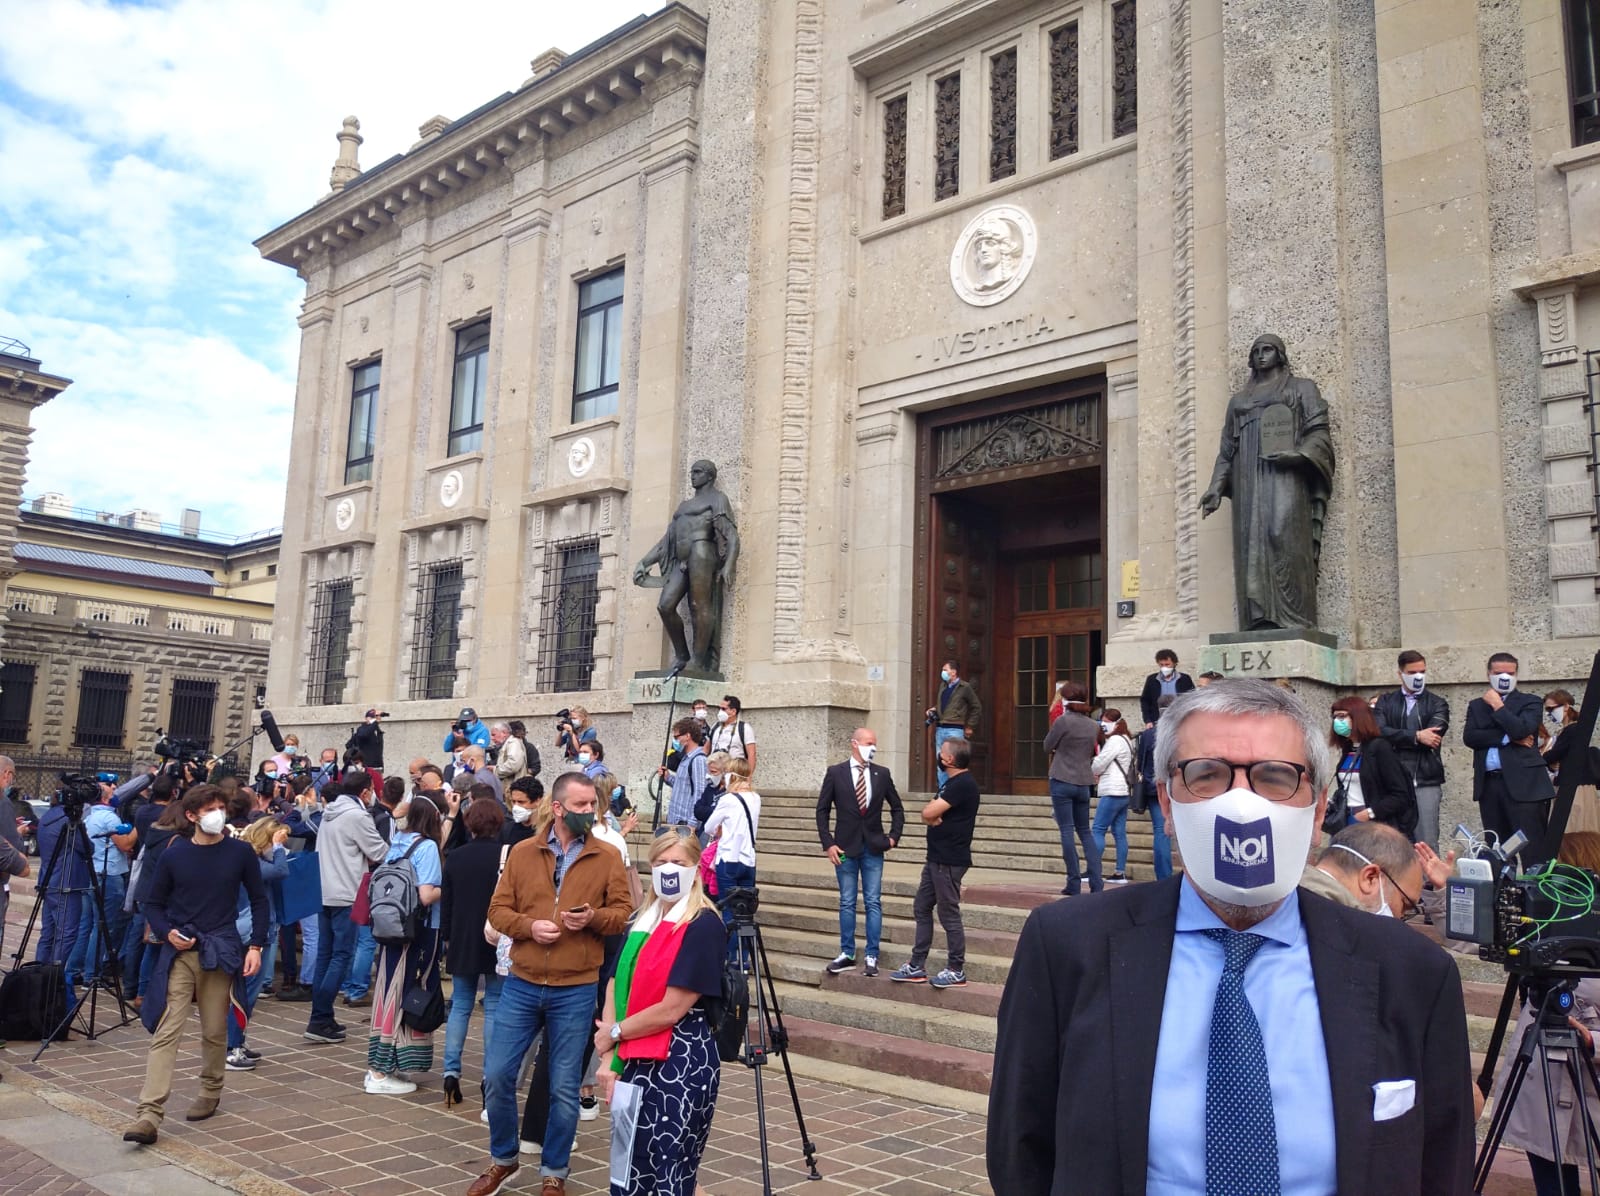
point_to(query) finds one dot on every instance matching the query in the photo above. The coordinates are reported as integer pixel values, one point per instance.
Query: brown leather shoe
(492, 1180)
(142, 1132)
(553, 1186)
(203, 1107)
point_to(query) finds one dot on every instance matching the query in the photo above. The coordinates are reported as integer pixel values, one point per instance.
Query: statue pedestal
(1298, 654)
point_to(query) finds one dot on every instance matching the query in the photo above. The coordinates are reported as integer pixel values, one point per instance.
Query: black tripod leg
(755, 1053)
(1502, 1110)
(40, 894)
(780, 1038)
(1502, 1019)
(1575, 1073)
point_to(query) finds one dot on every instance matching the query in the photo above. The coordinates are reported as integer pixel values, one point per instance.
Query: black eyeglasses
(1409, 908)
(1275, 780)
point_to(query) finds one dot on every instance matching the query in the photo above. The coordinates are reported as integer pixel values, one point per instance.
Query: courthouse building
(954, 293)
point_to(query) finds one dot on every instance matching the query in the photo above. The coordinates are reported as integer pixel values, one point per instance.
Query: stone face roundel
(450, 488)
(993, 255)
(344, 514)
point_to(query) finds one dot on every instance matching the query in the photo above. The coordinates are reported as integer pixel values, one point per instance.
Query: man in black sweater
(191, 908)
(951, 818)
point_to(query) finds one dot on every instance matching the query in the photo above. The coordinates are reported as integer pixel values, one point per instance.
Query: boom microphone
(270, 726)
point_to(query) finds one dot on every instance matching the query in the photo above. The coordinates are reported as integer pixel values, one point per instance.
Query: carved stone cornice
(609, 75)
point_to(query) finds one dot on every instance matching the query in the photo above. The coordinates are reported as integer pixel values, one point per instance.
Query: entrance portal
(1011, 529)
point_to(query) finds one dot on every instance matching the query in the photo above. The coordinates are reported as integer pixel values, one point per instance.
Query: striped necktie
(861, 787)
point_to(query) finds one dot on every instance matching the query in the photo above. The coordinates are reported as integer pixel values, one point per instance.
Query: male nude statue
(696, 558)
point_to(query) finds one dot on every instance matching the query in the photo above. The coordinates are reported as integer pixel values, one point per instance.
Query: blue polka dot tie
(1241, 1133)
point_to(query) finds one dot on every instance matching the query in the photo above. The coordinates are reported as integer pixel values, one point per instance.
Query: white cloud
(146, 146)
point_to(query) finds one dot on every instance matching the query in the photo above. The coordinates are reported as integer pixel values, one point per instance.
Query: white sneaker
(588, 1108)
(484, 1117)
(388, 1086)
(527, 1147)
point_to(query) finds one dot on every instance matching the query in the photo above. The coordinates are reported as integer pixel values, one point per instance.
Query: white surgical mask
(867, 750)
(700, 713)
(212, 821)
(1556, 716)
(584, 757)
(672, 882)
(1166, 671)
(1241, 848)
(1503, 682)
(521, 813)
(944, 675)
(1383, 910)
(722, 716)
(1108, 728)
(1415, 681)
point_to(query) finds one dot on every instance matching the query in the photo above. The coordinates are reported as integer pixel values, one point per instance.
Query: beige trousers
(188, 982)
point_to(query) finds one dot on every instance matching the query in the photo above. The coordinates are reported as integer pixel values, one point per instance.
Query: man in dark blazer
(853, 796)
(1165, 680)
(1343, 1063)
(1509, 780)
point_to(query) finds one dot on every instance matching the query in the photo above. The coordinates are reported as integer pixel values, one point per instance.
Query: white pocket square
(1392, 1098)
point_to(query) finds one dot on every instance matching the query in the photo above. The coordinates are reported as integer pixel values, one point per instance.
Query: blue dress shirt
(1283, 994)
(1491, 758)
(106, 856)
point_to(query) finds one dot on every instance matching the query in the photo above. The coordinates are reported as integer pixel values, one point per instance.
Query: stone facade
(842, 225)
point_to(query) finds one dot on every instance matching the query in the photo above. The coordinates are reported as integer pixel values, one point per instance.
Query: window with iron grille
(330, 642)
(363, 423)
(599, 364)
(436, 635)
(1064, 91)
(1583, 68)
(467, 388)
(1003, 114)
(16, 700)
(102, 707)
(1124, 67)
(947, 136)
(894, 157)
(566, 632)
(193, 702)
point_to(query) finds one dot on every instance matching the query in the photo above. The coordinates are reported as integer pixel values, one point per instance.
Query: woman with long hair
(654, 1039)
(1376, 785)
(267, 837)
(470, 874)
(394, 1047)
(1113, 770)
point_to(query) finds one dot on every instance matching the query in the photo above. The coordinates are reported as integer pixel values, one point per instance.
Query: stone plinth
(1272, 655)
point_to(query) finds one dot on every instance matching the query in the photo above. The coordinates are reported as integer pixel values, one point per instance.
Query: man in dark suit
(1165, 680)
(1509, 780)
(1220, 1031)
(853, 797)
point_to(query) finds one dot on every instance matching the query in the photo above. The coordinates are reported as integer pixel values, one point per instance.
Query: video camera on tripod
(1542, 922)
(77, 792)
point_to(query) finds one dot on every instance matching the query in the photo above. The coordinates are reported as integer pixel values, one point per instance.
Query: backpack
(396, 908)
(729, 1014)
(1130, 773)
(33, 1002)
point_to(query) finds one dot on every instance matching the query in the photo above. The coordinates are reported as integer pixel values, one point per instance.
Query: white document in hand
(1392, 1098)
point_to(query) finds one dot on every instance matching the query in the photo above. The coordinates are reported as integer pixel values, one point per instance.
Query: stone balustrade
(41, 607)
(31, 602)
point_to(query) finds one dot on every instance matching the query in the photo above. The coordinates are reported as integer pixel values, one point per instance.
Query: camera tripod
(764, 1030)
(1557, 1044)
(105, 970)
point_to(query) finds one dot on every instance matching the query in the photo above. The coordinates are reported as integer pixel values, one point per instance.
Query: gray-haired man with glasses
(1281, 1044)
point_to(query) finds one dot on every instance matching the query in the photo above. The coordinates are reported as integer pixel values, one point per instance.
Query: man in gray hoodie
(348, 843)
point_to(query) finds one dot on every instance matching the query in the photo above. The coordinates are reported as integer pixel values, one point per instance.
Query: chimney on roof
(191, 523)
(346, 167)
(546, 64)
(431, 128)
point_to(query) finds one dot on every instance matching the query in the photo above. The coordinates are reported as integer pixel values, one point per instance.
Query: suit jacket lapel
(1140, 955)
(1347, 997)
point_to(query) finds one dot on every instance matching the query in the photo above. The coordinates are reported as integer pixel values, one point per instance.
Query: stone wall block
(1569, 498)
(1574, 560)
(1566, 440)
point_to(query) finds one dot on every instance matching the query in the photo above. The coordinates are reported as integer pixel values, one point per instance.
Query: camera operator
(514, 757)
(572, 729)
(64, 906)
(108, 846)
(368, 739)
(469, 727)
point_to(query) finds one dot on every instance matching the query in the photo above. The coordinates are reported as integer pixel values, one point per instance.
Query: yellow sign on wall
(1130, 579)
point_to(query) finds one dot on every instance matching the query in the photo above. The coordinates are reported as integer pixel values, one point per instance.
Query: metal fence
(38, 776)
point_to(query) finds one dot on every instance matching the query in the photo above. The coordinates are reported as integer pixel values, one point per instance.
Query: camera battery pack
(1469, 910)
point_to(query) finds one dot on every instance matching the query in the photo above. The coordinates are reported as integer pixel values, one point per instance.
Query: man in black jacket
(1165, 680)
(1509, 780)
(368, 739)
(1415, 720)
(854, 794)
(1274, 1041)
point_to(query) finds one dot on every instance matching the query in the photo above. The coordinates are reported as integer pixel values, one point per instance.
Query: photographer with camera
(573, 729)
(368, 739)
(468, 726)
(110, 839)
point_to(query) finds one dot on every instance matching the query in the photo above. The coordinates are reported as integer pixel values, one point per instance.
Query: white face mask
(867, 750)
(1414, 681)
(212, 821)
(722, 716)
(1241, 848)
(672, 882)
(701, 714)
(1556, 717)
(521, 814)
(1503, 682)
(1383, 910)
(1108, 728)
(944, 675)
(584, 757)
(1166, 671)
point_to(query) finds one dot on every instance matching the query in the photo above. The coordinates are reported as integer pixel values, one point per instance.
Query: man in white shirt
(733, 735)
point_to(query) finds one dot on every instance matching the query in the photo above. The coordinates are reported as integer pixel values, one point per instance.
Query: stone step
(919, 1022)
(983, 886)
(950, 1066)
(899, 930)
(974, 914)
(986, 969)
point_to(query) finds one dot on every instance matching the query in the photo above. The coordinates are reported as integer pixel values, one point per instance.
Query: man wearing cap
(368, 740)
(477, 732)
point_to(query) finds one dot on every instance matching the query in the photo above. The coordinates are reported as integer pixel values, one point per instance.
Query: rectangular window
(947, 136)
(1064, 91)
(16, 701)
(571, 594)
(599, 363)
(330, 642)
(1124, 68)
(467, 389)
(272, 570)
(193, 702)
(363, 423)
(436, 635)
(244, 575)
(102, 706)
(1583, 68)
(1003, 115)
(894, 157)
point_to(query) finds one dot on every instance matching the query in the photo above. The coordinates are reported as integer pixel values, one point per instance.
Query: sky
(143, 147)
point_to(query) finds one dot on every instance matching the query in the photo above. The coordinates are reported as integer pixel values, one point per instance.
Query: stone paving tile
(26, 1174)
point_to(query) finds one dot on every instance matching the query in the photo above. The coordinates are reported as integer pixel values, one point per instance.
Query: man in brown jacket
(560, 894)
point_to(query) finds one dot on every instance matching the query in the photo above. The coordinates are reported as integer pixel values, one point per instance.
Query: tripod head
(741, 905)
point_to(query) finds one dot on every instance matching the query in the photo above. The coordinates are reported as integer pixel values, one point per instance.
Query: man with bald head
(850, 825)
(1368, 866)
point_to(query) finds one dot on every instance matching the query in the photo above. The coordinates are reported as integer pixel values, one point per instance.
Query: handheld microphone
(270, 726)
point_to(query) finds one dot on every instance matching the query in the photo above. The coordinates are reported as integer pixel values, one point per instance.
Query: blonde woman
(267, 837)
(654, 1038)
(733, 825)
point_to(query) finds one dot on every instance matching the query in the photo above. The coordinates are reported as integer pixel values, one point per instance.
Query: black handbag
(423, 1009)
(1338, 811)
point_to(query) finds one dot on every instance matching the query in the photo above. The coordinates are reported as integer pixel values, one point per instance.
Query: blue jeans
(133, 956)
(463, 995)
(252, 989)
(941, 736)
(308, 949)
(866, 873)
(360, 979)
(1070, 804)
(1161, 845)
(336, 943)
(729, 878)
(1112, 813)
(85, 957)
(58, 929)
(566, 1014)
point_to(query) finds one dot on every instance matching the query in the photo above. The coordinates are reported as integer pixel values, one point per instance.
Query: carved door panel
(961, 611)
